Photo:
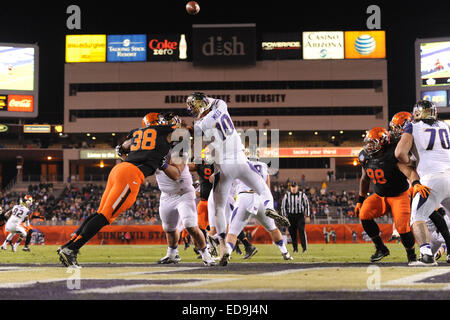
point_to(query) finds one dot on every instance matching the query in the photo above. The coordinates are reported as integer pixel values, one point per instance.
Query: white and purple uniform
(431, 148)
(230, 162)
(177, 201)
(249, 204)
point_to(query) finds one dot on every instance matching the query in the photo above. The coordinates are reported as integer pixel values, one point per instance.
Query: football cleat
(427, 260)
(209, 262)
(237, 249)
(279, 219)
(439, 253)
(250, 252)
(26, 249)
(448, 258)
(287, 256)
(68, 258)
(14, 247)
(168, 259)
(3, 247)
(225, 259)
(379, 254)
(213, 246)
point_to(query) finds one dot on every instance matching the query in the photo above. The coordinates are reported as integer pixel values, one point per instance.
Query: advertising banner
(154, 234)
(323, 45)
(167, 47)
(37, 128)
(283, 46)
(224, 44)
(98, 154)
(439, 97)
(86, 48)
(309, 152)
(20, 103)
(365, 44)
(126, 48)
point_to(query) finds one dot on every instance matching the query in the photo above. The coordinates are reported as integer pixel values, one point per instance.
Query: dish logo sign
(224, 44)
(20, 103)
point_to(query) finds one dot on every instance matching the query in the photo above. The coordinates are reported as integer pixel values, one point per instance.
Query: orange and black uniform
(391, 189)
(148, 148)
(204, 171)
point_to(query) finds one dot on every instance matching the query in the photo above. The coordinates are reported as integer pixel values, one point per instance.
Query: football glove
(359, 205)
(419, 188)
(119, 150)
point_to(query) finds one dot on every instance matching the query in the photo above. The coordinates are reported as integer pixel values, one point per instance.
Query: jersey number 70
(144, 140)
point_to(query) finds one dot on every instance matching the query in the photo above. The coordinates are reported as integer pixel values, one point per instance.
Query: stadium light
(49, 158)
(102, 164)
(355, 162)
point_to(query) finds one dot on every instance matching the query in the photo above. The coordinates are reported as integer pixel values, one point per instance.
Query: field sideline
(130, 272)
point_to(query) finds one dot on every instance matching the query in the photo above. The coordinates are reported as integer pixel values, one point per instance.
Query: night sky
(44, 23)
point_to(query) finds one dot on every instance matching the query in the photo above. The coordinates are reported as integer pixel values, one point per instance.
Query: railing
(10, 184)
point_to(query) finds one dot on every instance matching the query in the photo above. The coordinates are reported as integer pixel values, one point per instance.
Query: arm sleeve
(408, 128)
(283, 205)
(307, 206)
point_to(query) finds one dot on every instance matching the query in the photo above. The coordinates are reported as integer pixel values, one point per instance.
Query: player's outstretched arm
(403, 147)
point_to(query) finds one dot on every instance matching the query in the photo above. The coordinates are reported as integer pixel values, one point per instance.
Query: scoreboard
(19, 80)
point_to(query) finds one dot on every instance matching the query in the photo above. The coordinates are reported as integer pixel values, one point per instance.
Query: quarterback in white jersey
(249, 205)
(230, 163)
(177, 202)
(17, 216)
(428, 139)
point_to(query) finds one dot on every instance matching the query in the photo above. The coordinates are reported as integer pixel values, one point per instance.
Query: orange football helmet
(399, 122)
(375, 140)
(150, 119)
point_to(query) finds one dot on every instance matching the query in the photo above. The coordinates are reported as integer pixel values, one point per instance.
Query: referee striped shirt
(295, 203)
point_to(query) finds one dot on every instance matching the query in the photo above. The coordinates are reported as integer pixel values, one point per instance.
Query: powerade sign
(125, 48)
(224, 44)
(281, 46)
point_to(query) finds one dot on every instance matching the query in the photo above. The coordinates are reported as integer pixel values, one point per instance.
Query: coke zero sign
(224, 44)
(167, 47)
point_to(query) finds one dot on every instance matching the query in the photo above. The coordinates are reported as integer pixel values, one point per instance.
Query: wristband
(361, 199)
(164, 166)
(415, 182)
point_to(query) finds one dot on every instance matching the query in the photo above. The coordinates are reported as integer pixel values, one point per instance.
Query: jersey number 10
(225, 126)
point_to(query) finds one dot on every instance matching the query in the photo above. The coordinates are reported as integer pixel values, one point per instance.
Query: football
(192, 7)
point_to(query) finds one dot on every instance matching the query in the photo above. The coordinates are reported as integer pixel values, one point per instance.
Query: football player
(16, 217)
(249, 205)
(428, 139)
(143, 152)
(177, 202)
(204, 171)
(391, 192)
(396, 127)
(230, 163)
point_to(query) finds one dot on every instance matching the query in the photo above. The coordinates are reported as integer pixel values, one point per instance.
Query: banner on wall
(365, 44)
(154, 234)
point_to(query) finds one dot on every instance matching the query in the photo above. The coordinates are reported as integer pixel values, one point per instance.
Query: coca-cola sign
(20, 103)
(167, 47)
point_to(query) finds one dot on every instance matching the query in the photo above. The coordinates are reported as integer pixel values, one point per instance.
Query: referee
(295, 206)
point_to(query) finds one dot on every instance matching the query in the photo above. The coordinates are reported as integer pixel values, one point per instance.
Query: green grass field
(317, 253)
